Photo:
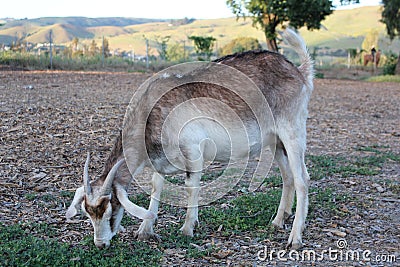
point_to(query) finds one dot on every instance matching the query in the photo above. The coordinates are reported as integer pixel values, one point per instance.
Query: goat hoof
(287, 215)
(278, 224)
(187, 231)
(143, 236)
(294, 245)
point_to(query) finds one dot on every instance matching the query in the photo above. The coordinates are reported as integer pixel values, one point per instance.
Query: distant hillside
(65, 29)
(346, 28)
(79, 21)
(341, 30)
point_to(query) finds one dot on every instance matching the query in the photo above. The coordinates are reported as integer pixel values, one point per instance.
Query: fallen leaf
(378, 187)
(335, 232)
(222, 254)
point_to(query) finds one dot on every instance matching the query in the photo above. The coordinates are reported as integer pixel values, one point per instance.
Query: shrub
(240, 44)
(389, 67)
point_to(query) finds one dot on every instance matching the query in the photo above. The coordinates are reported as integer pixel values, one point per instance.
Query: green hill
(341, 30)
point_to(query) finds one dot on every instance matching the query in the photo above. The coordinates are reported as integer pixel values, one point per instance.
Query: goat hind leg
(286, 203)
(295, 152)
(192, 184)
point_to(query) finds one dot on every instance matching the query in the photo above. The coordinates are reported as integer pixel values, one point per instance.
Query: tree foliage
(203, 45)
(93, 49)
(371, 39)
(240, 44)
(176, 52)
(105, 47)
(162, 43)
(391, 17)
(269, 14)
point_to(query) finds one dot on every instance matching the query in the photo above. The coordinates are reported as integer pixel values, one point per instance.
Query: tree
(93, 49)
(67, 52)
(269, 14)
(163, 44)
(203, 45)
(391, 18)
(74, 44)
(105, 47)
(371, 39)
(240, 44)
(176, 52)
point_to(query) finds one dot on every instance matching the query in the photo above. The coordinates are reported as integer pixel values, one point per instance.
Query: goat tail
(297, 43)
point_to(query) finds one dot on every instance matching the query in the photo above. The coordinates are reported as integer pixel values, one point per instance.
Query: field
(49, 120)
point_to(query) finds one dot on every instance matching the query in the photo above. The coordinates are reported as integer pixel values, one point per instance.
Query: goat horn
(86, 180)
(110, 178)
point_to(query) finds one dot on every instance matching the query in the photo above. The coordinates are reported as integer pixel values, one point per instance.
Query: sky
(159, 9)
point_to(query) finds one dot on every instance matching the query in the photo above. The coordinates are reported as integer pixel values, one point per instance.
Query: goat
(151, 137)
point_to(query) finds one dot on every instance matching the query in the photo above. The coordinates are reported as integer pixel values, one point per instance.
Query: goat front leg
(145, 231)
(192, 184)
(285, 205)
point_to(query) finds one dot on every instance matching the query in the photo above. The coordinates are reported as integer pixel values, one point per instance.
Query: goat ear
(131, 208)
(76, 202)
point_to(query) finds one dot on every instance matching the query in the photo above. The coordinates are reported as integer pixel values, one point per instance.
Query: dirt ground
(49, 120)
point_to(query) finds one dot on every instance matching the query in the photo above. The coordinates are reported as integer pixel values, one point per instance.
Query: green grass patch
(326, 201)
(30, 196)
(249, 212)
(273, 181)
(385, 78)
(19, 247)
(366, 165)
(67, 194)
(253, 213)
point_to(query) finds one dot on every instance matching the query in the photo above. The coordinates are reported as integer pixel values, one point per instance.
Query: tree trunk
(397, 70)
(272, 46)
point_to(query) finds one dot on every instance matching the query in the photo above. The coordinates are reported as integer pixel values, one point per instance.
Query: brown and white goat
(151, 138)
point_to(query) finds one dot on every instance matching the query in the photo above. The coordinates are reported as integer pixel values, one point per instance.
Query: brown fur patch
(116, 205)
(97, 211)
